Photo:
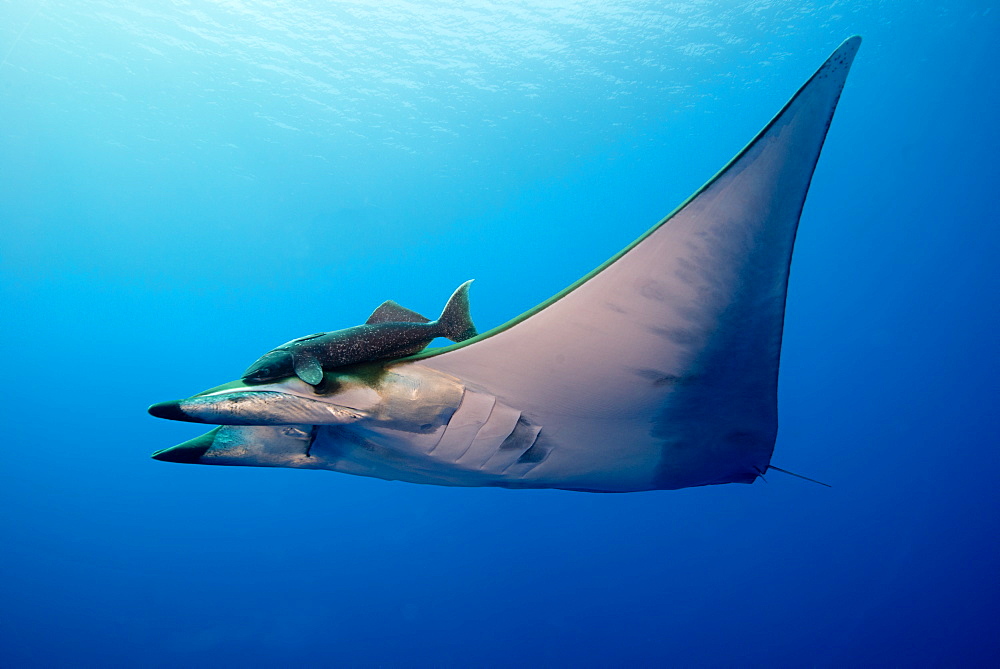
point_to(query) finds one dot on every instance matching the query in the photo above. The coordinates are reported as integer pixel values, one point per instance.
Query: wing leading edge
(659, 369)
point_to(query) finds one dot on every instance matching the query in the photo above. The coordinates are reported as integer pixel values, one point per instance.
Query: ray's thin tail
(456, 321)
(800, 476)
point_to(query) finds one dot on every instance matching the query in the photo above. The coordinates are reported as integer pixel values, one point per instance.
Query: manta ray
(658, 370)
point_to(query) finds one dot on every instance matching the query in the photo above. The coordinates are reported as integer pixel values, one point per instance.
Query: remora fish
(390, 332)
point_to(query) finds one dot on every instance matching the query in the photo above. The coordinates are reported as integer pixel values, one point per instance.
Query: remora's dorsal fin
(391, 312)
(455, 320)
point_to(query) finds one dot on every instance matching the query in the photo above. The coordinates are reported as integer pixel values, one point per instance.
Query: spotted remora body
(392, 331)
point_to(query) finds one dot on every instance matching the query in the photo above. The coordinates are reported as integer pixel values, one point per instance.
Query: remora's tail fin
(455, 321)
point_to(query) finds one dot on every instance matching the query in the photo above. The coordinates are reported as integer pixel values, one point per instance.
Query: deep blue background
(185, 185)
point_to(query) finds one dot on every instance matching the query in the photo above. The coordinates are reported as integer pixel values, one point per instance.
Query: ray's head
(271, 366)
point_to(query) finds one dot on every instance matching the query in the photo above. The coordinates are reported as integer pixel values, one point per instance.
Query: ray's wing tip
(844, 54)
(836, 67)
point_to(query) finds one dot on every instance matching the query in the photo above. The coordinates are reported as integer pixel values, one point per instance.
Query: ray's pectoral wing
(663, 362)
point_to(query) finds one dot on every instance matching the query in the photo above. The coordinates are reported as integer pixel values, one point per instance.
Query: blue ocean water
(187, 184)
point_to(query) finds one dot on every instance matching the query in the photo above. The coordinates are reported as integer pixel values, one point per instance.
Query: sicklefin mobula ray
(658, 370)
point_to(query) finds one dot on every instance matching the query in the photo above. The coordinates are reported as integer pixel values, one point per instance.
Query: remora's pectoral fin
(307, 368)
(391, 312)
